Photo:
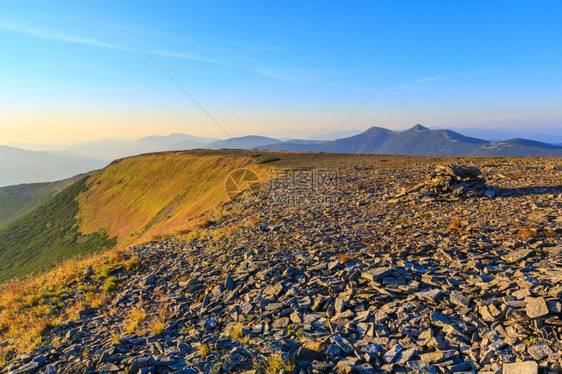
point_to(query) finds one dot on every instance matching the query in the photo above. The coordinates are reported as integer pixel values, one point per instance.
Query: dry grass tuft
(237, 333)
(136, 316)
(116, 338)
(253, 221)
(203, 350)
(314, 345)
(110, 285)
(455, 223)
(157, 327)
(343, 258)
(525, 232)
(275, 364)
(95, 300)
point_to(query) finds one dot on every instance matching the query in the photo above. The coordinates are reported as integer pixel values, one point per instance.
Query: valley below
(338, 263)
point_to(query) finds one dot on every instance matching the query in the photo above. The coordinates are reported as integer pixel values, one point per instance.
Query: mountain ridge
(420, 140)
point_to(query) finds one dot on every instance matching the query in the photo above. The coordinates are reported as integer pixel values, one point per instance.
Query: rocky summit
(347, 279)
(452, 181)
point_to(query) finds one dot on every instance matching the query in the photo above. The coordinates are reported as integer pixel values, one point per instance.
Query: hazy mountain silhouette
(245, 142)
(20, 166)
(539, 134)
(420, 140)
(111, 149)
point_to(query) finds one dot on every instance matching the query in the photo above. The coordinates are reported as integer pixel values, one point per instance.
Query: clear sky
(80, 70)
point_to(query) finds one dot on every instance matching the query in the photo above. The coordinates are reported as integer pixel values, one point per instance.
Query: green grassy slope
(46, 235)
(15, 201)
(132, 200)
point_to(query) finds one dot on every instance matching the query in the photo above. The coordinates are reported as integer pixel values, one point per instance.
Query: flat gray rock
(536, 307)
(527, 367)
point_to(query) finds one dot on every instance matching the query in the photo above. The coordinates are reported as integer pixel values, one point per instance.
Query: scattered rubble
(343, 287)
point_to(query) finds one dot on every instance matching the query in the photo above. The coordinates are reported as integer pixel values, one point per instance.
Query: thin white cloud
(289, 75)
(185, 55)
(469, 73)
(65, 38)
(137, 30)
(429, 79)
(58, 36)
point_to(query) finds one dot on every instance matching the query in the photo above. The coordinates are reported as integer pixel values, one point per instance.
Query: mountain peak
(374, 131)
(419, 127)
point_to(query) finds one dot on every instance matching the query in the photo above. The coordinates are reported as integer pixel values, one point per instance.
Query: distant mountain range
(20, 166)
(111, 149)
(420, 140)
(243, 142)
(539, 134)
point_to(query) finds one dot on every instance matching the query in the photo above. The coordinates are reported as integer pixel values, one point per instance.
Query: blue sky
(80, 70)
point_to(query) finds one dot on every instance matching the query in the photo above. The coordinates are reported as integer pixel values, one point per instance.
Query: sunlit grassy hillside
(132, 200)
(139, 198)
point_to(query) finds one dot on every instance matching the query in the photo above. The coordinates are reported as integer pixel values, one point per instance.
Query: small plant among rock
(3, 355)
(294, 331)
(525, 233)
(104, 272)
(157, 327)
(72, 311)
(136, 316)
(132, 264)
(253, 221)
(550, 232)
(86, 353)
(268, 159)
(314, 345)
(96, 300)
(343, 258)
(116, 338)
(275, 364)
(56, 342)
(328, 325)
(203, 350)
(455, 223)
(208, 223)
(237, 333)
(110, 285)
(530, 341)
(186, 329)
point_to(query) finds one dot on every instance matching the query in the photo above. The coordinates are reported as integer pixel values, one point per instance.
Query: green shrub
(110, 285)
(268, 159)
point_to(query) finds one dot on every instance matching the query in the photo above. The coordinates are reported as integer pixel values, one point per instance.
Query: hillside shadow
(524, 191)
